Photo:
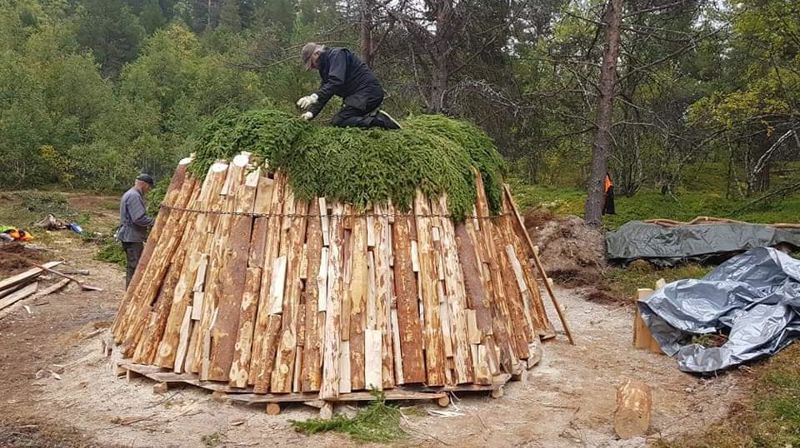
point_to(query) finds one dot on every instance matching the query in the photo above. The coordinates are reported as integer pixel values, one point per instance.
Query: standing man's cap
(306, 52)
(146, 178)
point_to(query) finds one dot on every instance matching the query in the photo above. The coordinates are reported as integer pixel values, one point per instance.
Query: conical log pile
(241, 282)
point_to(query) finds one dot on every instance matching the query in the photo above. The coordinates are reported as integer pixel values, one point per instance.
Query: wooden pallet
(221, 391)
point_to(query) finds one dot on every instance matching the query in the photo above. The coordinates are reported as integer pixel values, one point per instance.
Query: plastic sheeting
(666, 246)
(755, 297)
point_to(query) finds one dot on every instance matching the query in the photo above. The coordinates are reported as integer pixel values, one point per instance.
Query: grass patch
(111, 252)
(378, 422)
(769, 417)
(651, 204)
(623, 282)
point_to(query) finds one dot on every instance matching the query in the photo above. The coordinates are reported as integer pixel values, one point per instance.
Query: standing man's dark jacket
(345, 75)
(133, 218)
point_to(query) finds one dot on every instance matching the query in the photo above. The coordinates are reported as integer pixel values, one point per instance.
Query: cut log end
(443, 402)
(273, 409)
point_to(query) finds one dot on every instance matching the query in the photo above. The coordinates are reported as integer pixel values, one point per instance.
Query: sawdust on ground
(58, 390)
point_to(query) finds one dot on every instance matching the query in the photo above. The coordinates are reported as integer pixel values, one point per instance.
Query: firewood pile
(246, 289)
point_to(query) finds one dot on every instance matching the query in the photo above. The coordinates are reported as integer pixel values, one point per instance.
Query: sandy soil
(58, 390)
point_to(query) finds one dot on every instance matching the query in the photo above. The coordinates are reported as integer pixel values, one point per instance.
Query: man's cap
(307, 51)
(146, 178)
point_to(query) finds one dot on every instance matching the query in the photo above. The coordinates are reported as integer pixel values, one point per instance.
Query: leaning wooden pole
(538, 264)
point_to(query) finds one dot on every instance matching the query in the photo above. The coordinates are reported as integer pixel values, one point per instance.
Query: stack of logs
(244, 283)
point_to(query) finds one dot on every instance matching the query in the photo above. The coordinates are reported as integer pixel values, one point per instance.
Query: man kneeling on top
(345, 75)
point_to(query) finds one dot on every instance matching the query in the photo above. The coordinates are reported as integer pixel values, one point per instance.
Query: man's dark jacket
(345, 75)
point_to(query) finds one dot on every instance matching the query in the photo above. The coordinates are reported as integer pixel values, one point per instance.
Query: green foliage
(111, 252)
(156, 196)
(377, 422)
(111, 31)
(362, 167)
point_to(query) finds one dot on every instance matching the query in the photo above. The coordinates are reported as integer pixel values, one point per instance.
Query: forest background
(700, 98)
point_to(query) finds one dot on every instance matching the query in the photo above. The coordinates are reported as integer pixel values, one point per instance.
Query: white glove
(306, 101)
(307, 116)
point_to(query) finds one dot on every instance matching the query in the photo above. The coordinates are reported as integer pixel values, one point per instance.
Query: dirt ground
(58, 390)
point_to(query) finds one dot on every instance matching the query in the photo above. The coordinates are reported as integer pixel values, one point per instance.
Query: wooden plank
(324, 221)
(373, 364)
(26, 277)
(322, 281)
(18, 295)
(383, 288)
(414, 256)
(398, 358)
(183, 342)
(262, 344)
(331, 374)
(474, 334)
(359, 281)
(525, 293)
(434, 344)
(456, 295)
(474, 279)
(520, 332)
(311, 375)
(283, 374)
(405, 283)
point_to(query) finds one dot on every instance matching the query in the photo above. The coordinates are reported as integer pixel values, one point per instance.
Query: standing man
(343, 74)
(134, 223)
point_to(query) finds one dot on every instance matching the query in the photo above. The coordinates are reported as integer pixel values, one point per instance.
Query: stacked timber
(244, 283)
(25, 285)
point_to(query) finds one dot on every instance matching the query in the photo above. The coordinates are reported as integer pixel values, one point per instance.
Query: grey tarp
(666, 246)
(754, 296)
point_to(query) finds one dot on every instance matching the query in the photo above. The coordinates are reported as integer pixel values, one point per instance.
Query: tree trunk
(605, 109)
(438, 86)
(365, 32)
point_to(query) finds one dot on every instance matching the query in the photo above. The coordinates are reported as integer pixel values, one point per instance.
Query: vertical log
(263, 338)
(312, 354)
(285, 361)
(331, 374)
(405, 282)
(359, 279)
(233, 276)
(434, 346)
(383, 292)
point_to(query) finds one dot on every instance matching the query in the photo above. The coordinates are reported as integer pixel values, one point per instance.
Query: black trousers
(351, 116)
(133, 251)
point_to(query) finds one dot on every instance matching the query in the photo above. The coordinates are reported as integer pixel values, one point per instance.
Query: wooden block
(197, 305)
(322, 281)
(472, 327)
(273, 409)
(632, 416)
(660, 283)
(324, 222)
(160, 388)
(326, 411)
(642, 337)
(483, 375)
(239, 372)
(374, 362)
(344, 367)
(183, 342)
(277, 285)
(200, 279)
(414, 256)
